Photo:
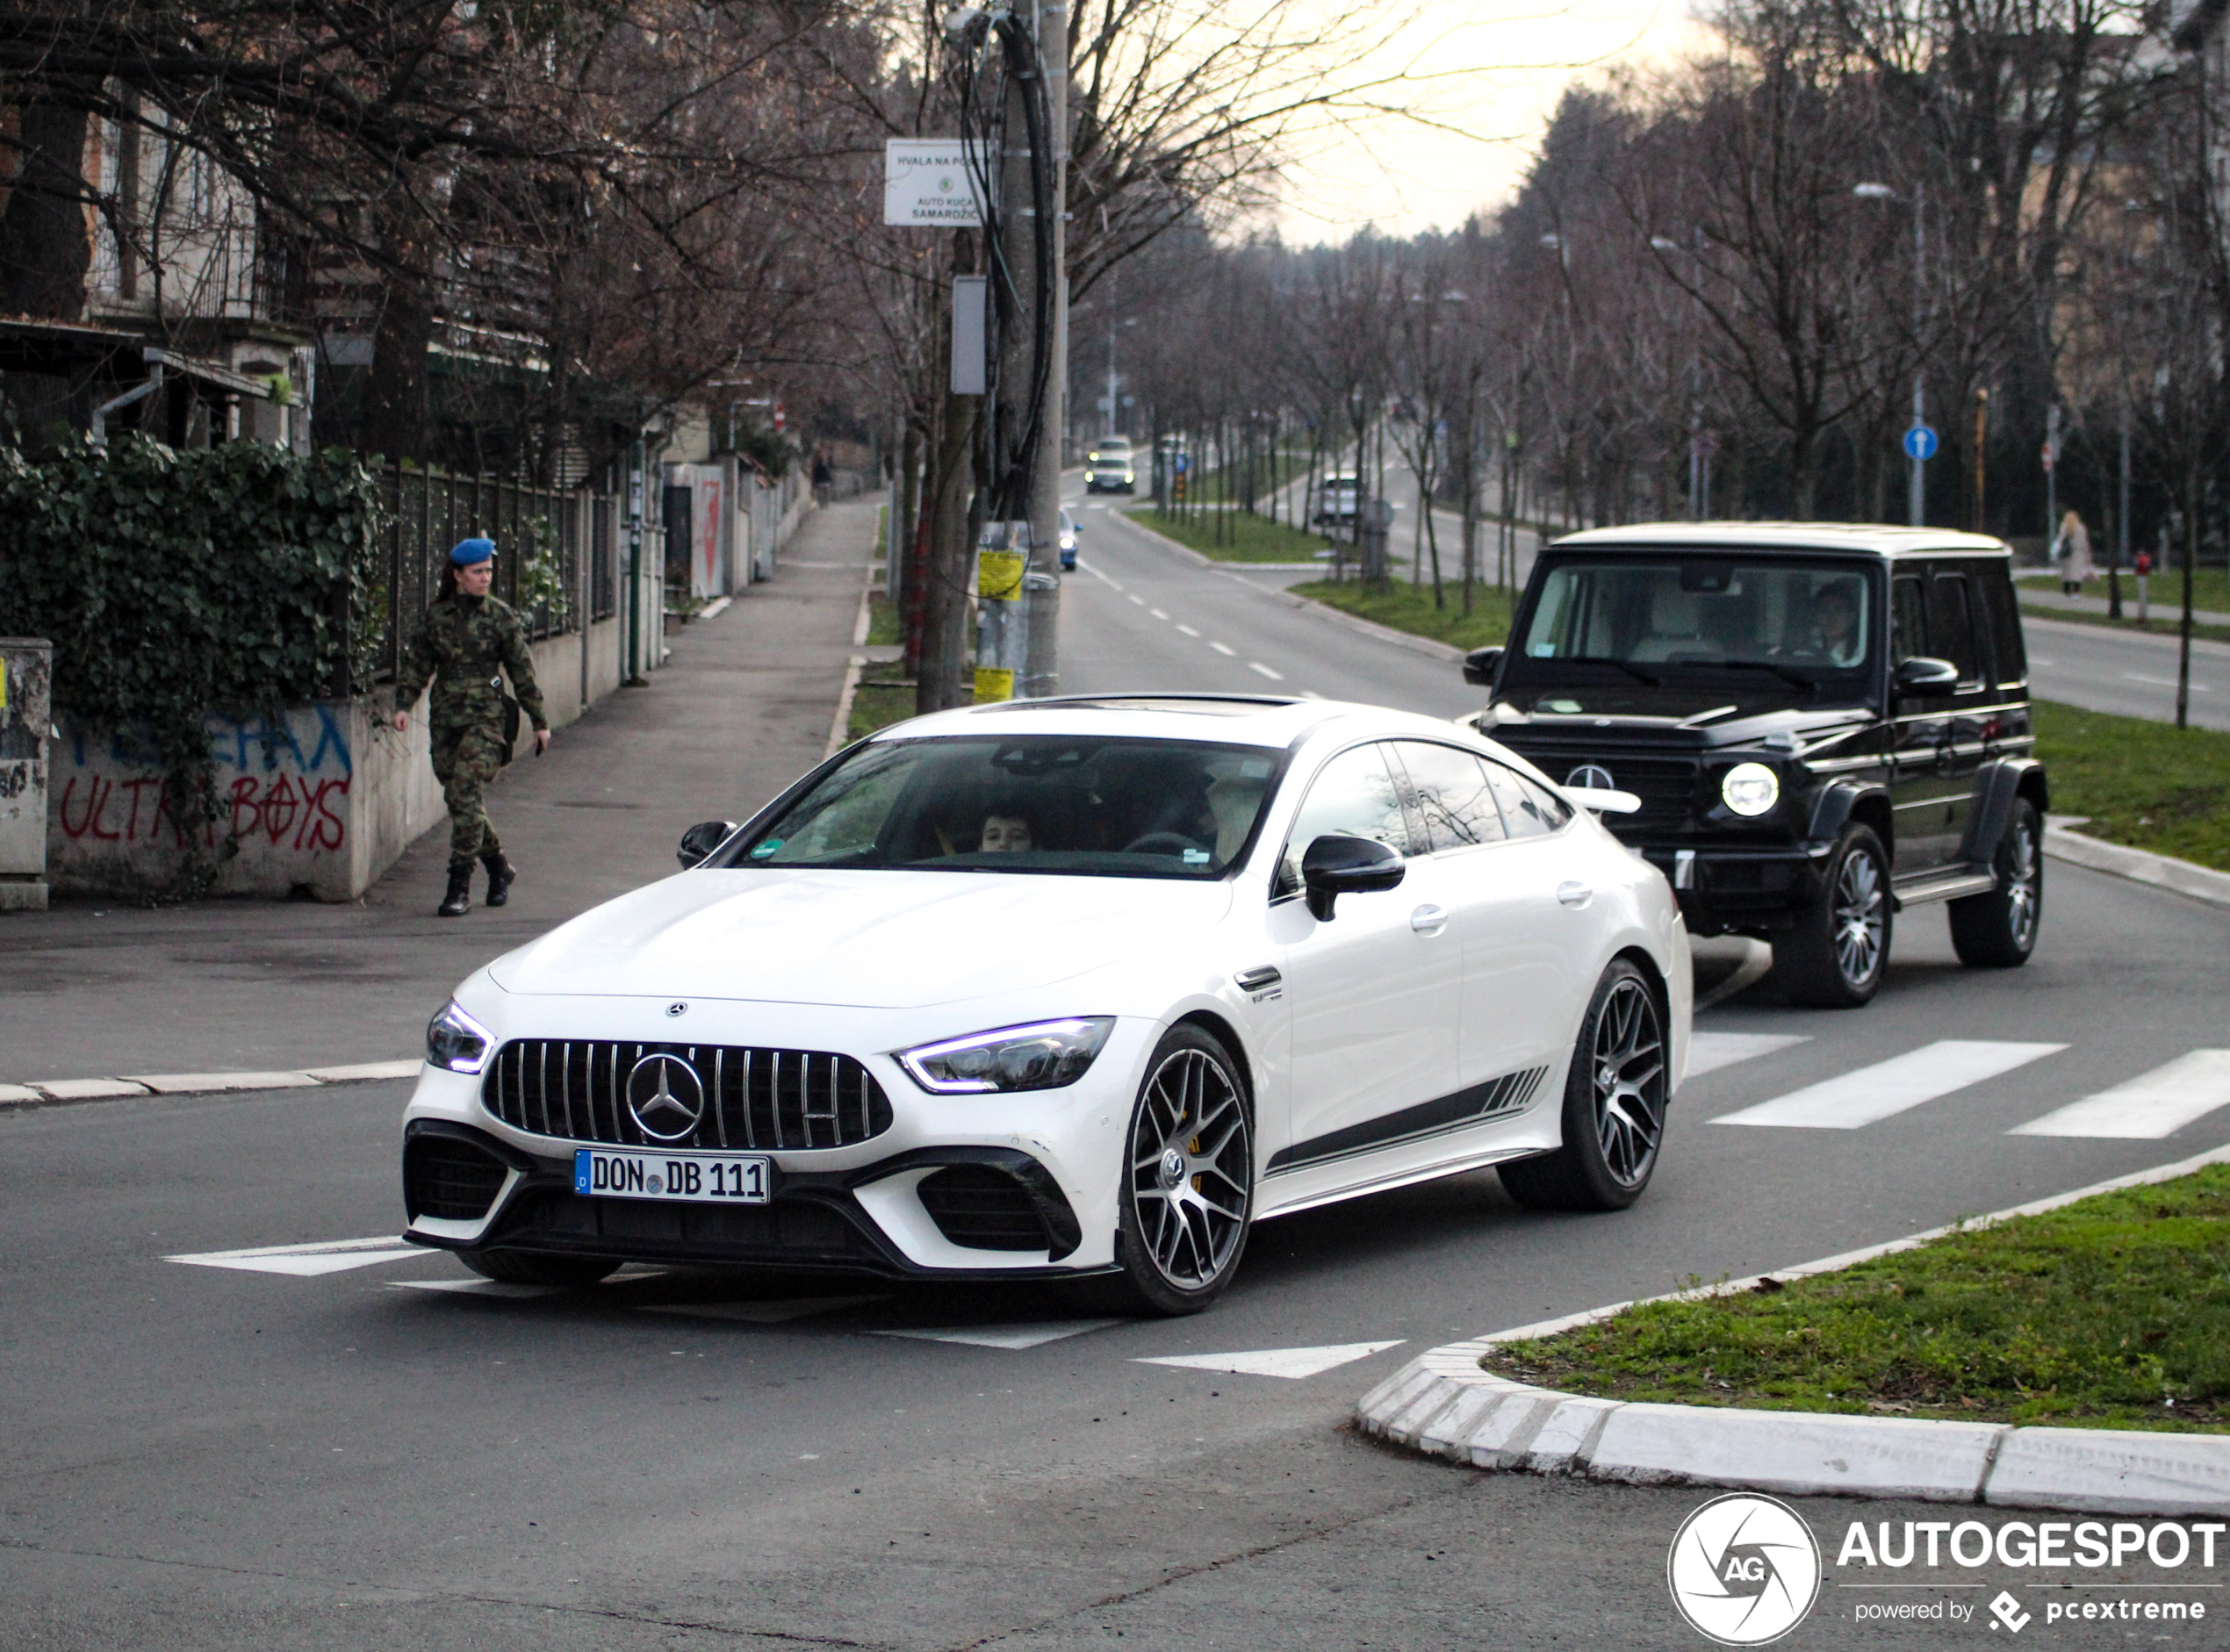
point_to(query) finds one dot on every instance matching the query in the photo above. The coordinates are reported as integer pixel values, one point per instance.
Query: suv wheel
(1613, 1114)
(1998, 930)
(1834, 957)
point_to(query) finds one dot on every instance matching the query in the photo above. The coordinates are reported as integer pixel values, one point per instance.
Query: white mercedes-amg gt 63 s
(1065, 988)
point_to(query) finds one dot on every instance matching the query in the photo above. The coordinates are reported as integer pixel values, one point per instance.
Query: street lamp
(1698, 474)
(1915, 443)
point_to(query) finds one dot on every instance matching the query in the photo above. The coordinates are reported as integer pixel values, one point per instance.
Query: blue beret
(468, 551)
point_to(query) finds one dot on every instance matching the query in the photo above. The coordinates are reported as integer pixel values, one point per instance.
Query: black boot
(458, 900)
(501, 872)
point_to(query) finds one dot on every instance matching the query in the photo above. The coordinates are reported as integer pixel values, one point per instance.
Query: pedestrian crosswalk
(2144, 1107)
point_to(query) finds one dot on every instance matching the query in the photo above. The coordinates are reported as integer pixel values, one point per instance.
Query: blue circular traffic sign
(1920, 443)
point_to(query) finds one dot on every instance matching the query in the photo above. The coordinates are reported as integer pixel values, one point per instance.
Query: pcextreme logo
(1744, 1569)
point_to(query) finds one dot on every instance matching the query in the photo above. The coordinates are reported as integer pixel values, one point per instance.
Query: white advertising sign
(928, 181)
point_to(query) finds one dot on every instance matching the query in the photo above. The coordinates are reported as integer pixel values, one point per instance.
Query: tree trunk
(396, 414)
(942, 681)
(46, 240)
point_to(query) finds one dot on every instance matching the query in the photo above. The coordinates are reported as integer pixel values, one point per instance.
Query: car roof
(1270, 721)
(1838, 538)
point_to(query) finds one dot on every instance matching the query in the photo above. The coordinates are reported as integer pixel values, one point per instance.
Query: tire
(1836, 955)
(1998, 930)
(529, 1267)
(1614, 1111)
(1187, 1197)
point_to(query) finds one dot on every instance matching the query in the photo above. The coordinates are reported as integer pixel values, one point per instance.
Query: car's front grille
(984, 1208)
(445, 1177)
(1665, 784)
(771, 1100)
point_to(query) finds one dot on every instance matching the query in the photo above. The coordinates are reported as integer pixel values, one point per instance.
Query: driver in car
(1834, 625)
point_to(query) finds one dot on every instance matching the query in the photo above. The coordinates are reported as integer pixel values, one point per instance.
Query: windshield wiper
(1633, 672)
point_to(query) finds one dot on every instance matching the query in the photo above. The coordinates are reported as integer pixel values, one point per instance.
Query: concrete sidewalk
(2168, 598)
(742, 708)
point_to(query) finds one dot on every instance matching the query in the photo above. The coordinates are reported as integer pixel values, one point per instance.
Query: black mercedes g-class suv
(1824, 725)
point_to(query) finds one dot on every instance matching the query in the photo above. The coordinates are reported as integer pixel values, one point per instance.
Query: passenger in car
(1007, 831)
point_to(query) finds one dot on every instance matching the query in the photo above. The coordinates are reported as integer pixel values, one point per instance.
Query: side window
(1951, 624)
(1528, 809)
(2006, 628)
(1908, 621)
(1353, 796)
(1452, 794)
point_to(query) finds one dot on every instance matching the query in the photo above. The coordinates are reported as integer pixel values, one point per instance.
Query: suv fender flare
(1839, 801)
(2001, 780)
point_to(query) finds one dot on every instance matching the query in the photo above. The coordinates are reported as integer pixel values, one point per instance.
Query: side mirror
(1479, 666)
(1335, 865)
(702, 839)
(1924, 675)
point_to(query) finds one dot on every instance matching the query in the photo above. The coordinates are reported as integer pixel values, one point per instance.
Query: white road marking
(1026, 1336)
(758, 1313)
(2039, 659)
(1708, 1052)
(307, 1261)
(1257, 666)
(1135, 598)
(1853, 1099)
(1158, 614)
(1187, 630)
(1231, 652)
(2147, 1107)
(476, 1288)
(1310, 693)
(1098, 504)
(2163, 682)
(1288, 1363)
(1092, 569)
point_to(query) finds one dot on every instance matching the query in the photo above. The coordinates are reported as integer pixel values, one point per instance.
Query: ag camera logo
(1744, 1569)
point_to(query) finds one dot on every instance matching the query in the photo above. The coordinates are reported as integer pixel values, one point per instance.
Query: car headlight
(1750, 788)
(1043, 1056)
(456, 1042)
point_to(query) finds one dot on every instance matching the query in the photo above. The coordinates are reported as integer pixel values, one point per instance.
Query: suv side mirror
(1924, 675)
(1335, 865)
(1479, 666)
(702, 839)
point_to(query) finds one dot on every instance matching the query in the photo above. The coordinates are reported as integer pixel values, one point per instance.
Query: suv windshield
(1670, 629)
(1031, 803)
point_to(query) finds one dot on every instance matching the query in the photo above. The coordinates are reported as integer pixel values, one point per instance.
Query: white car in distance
(1068, 988)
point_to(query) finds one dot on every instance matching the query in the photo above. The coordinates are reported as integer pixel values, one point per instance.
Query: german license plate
(700, 1178)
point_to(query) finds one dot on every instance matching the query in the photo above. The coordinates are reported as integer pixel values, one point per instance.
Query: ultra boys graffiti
(282, 779)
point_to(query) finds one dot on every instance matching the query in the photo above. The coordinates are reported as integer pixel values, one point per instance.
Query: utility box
(27, 720)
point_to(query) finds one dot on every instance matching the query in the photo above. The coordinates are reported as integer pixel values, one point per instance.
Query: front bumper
(1725, 890)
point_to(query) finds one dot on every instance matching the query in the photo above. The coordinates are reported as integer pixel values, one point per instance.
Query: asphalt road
(337, 1447)
(2131, 672)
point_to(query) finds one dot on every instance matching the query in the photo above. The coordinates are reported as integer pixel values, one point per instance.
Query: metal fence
(548, 541)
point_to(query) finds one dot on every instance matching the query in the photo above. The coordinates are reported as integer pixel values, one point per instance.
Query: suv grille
(1665, 784)
(780, 1100)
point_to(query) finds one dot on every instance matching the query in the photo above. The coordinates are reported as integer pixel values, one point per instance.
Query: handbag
(511, 713)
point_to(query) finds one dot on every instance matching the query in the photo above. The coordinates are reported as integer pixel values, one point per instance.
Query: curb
(1443, 1405)
(53, 1092)
(1368, 627)
(2139, 866)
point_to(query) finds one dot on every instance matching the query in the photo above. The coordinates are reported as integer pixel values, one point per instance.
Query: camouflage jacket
(461, 645)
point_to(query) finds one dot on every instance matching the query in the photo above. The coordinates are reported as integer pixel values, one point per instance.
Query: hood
(1707, 728)
(857, 939)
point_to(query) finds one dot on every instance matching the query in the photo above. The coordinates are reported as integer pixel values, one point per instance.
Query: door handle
(1428, 920)
(1575, 893)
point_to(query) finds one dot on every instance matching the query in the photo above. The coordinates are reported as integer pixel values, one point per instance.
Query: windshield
(1689, 627)
(1031, 803)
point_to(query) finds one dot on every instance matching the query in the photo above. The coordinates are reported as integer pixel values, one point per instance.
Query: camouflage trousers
(466, 757)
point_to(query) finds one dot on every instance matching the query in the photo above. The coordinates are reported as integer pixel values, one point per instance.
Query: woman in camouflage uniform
(466, 636)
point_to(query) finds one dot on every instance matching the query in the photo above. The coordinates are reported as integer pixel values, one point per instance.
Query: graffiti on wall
(282, 780)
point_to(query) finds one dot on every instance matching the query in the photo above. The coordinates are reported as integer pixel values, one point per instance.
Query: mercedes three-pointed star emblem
(1590, 777)
(665, 1096)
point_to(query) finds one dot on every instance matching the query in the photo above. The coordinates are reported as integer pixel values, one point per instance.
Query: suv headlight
(1750, 789)
(1043, 1056)
(457, 1043)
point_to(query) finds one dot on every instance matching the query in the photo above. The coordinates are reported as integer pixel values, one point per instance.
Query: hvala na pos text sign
(929, 181)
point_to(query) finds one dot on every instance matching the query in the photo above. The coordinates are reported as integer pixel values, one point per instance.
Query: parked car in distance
(1074, 987)
(1337, 496)
(1827, 725)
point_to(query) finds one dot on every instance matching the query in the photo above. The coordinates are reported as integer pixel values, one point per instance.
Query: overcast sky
(1515, 58)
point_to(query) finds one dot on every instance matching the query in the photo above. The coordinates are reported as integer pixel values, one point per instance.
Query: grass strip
(1408, 607)
(2112, 1312)
(1250, 538)
(2149, 785)
(2153, 627)
(885, 695)
(2209, 587)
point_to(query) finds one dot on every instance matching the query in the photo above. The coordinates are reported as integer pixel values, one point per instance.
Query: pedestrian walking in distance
(464, 645)
(2073, 542)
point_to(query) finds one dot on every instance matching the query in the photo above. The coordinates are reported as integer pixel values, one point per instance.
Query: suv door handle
(1575, 893)
(1428, 920)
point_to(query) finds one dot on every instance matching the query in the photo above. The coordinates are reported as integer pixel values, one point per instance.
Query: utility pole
(1916, 505)
(1042, 670)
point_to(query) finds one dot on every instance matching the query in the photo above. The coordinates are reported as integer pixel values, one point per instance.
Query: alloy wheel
(1629, 1082)
(1861, 909)
(1191, 1169)
(2024, 882)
